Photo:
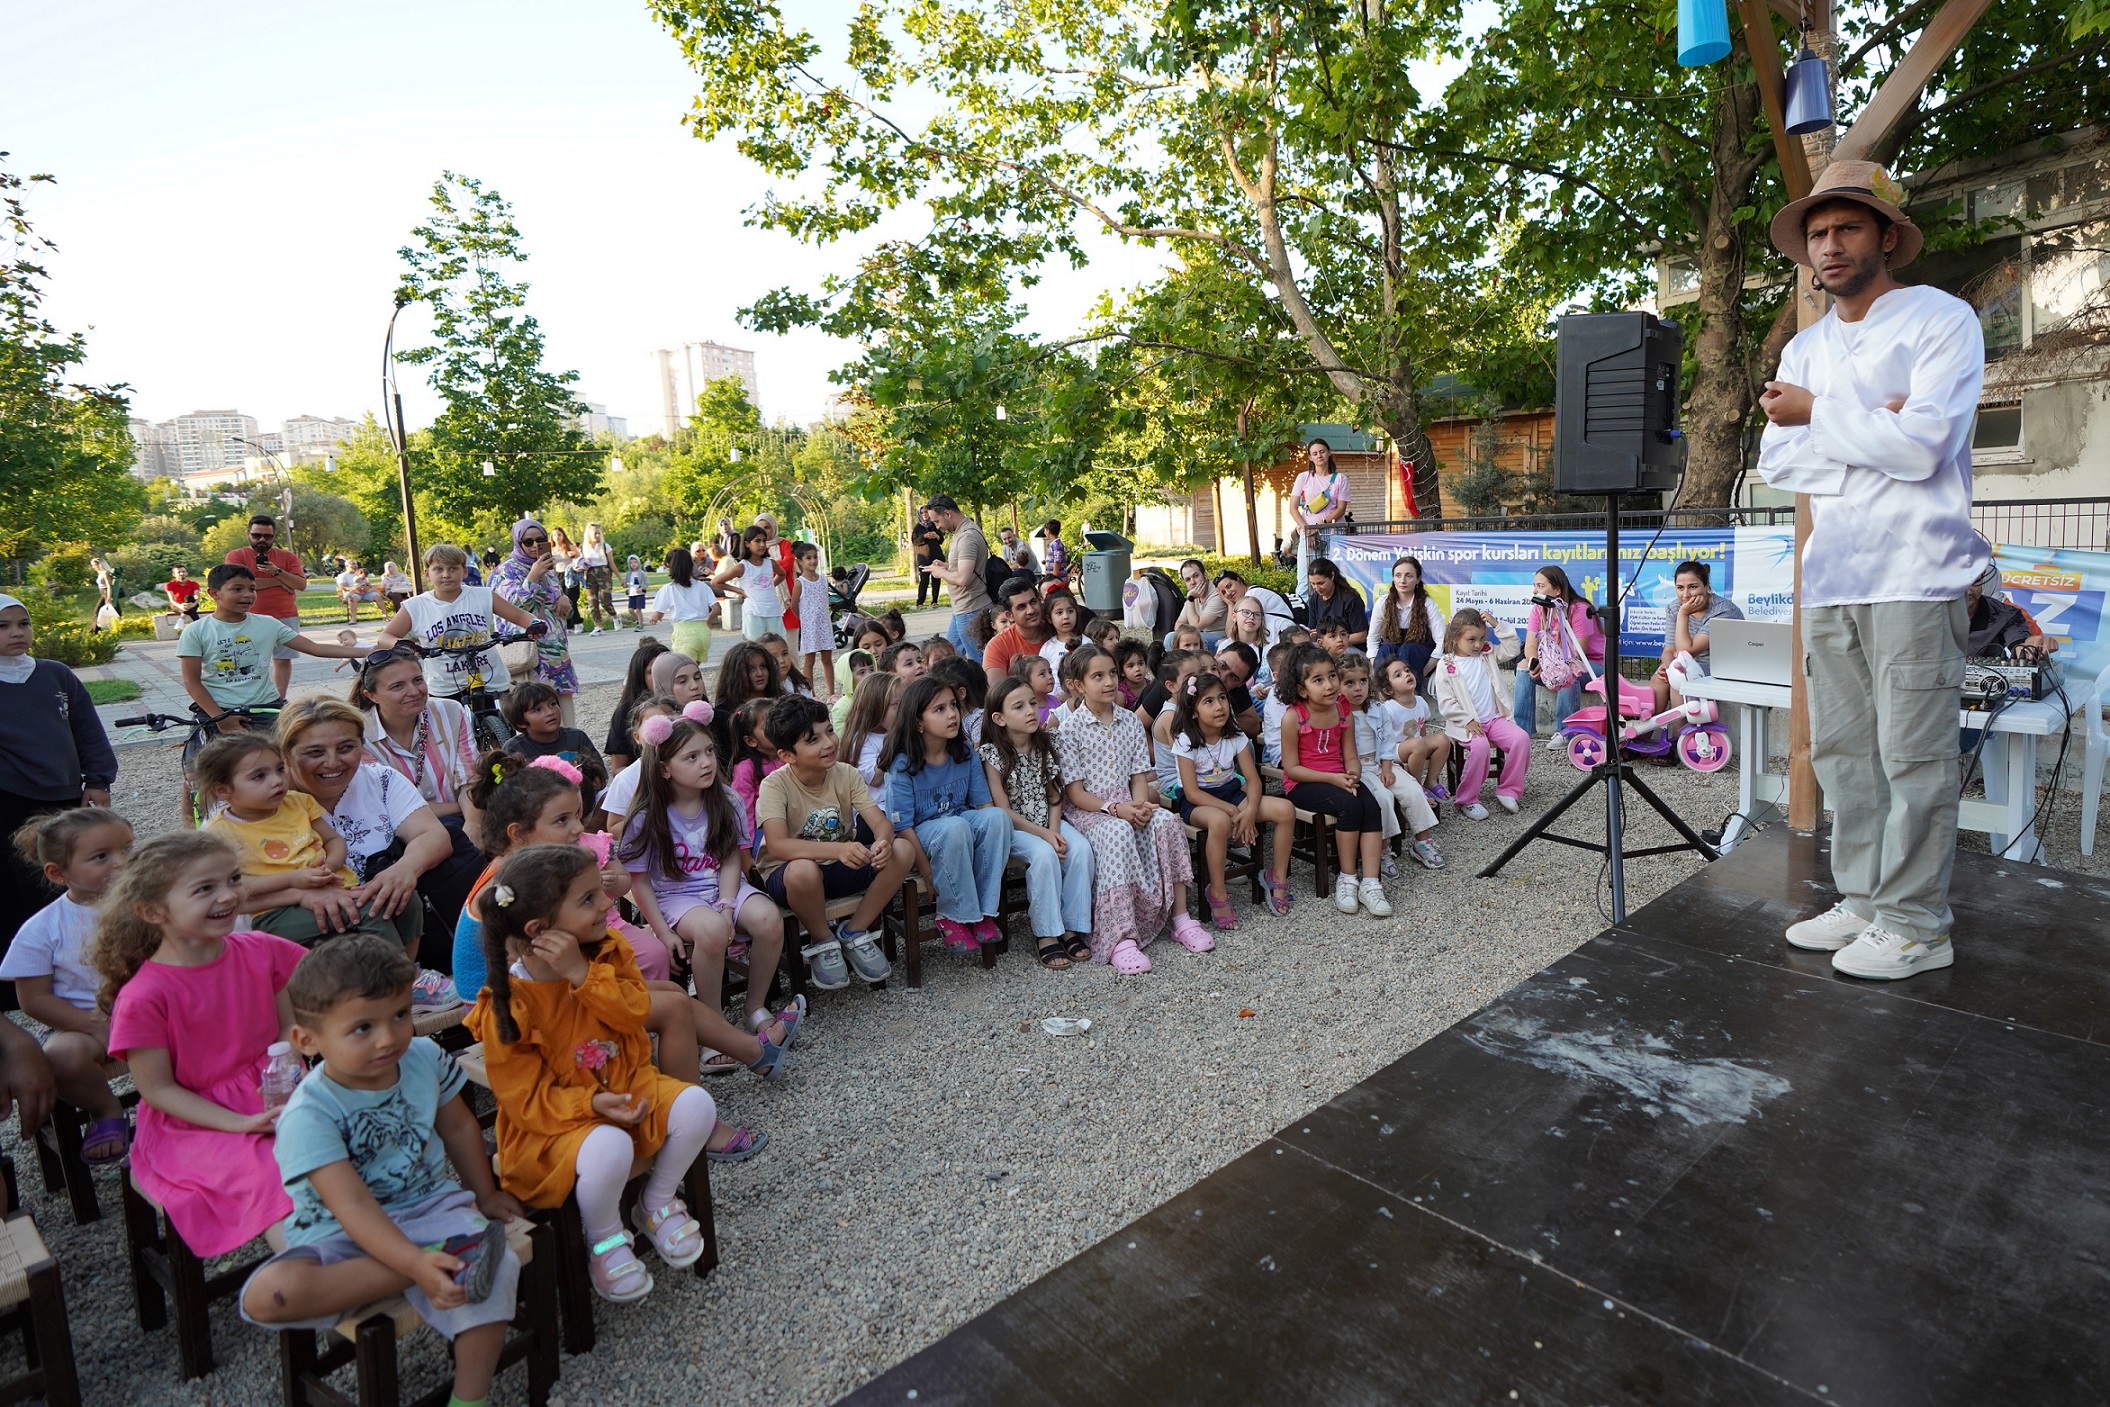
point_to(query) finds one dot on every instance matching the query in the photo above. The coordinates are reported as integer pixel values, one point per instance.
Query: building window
(1998, 429)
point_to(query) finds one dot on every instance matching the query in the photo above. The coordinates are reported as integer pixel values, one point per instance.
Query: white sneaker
(1556, 743)
(1344, 895)
(1507, 803)
(1829, 931)
(1474, 812)
(1375, 904)
(1882, 955)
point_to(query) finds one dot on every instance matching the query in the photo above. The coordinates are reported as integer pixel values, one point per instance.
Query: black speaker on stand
(1615, 431)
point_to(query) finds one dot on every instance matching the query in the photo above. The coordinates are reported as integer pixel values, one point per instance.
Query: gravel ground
(932, 1152)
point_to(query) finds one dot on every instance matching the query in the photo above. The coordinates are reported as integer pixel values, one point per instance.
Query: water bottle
(281, 1074)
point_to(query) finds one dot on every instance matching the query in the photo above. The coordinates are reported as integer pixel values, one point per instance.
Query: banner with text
(2064, 590)
(1493, 571)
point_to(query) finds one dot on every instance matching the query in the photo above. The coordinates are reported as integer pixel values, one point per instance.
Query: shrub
(145, 565)
(648, 538)
(64, 569)
(1280, 579)
(74, 643)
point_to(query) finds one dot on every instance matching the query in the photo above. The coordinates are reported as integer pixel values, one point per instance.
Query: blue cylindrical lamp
(1809, 94)
(1703, 31)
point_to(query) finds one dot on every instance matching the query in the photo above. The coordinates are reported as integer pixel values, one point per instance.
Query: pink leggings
(1516, 749)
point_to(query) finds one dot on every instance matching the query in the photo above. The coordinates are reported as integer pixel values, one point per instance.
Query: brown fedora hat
(1862, 181)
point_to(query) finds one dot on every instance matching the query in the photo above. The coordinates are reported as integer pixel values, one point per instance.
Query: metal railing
(2074, 523)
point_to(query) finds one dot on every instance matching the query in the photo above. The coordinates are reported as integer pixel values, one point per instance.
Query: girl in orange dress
(562, 1019)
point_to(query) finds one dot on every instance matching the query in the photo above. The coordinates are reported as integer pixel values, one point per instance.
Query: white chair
(2092, 759)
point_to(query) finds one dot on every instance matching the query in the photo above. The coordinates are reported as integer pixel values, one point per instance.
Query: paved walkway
(152, 664)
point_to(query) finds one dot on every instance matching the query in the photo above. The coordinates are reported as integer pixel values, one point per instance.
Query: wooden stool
(163, 1264)
(369, 1336)
(1311, 838)
(32, 1300)
(913, 934)
(1454, 768)
(1249, 870)
(59, 1157)
(575, 1295)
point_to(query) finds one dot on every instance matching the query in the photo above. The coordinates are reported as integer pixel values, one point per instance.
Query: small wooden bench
(33, 1302)
(575, 1295)
(368, 1337)
(1311, 838)
(164, 1269)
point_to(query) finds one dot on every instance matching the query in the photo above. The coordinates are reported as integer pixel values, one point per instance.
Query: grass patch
(111, 691)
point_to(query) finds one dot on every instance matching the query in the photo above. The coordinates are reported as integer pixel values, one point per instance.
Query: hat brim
(1786, 228)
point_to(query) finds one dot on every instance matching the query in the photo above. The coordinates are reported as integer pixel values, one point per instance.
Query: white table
(2009, 762)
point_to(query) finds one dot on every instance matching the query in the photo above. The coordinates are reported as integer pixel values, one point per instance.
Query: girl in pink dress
(194, 1008)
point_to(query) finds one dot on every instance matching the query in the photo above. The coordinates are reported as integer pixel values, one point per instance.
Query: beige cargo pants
(1885, 681)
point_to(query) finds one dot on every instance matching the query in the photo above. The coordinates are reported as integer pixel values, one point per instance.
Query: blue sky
(235, 178)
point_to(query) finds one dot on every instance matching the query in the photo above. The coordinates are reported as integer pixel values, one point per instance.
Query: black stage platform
(1685, 1165)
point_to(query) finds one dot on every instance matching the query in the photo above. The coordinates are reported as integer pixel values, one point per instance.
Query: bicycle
(204, 727)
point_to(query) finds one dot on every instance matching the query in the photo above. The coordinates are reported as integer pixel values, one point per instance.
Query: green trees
(64, 447)
(500, 404)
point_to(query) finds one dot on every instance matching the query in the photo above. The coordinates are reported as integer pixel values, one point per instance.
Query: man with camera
(1871, 416)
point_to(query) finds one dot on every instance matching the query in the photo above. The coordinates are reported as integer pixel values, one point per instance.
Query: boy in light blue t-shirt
(364, 1145)
(226, 656)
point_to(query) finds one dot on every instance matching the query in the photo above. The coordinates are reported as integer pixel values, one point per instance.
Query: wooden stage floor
(1685, 1165)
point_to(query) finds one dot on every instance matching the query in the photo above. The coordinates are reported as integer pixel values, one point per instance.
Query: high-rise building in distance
(212, 439)
(685, 370)
(310, 439)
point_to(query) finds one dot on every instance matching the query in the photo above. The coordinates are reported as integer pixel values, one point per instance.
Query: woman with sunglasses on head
(429, 742)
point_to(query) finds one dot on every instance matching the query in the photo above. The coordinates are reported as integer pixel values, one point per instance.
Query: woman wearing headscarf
(54, 754)
(527, 579)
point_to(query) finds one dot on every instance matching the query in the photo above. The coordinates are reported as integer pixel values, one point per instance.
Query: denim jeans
(967, 858)
(956, 631)
(1565, 702)
(1059, 892)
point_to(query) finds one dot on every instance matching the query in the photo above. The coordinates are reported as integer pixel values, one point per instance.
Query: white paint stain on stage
(1699, 1090)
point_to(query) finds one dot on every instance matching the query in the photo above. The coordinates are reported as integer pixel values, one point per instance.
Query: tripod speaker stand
(1615, 771)
(1614, 431)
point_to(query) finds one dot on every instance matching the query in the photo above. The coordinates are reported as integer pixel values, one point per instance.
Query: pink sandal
(1191, 935)
(677, 1236)
(618, 1276)
(1128, 959)
(1220, 912)
(1278, 895)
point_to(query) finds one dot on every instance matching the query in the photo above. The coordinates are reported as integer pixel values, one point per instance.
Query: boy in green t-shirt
(226, 656)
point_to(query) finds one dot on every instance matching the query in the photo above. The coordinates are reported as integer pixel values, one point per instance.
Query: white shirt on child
(1396, 722)
(1474, 676)
(1271, 728)
(1214, 763)
(50, 945)
(622, 790)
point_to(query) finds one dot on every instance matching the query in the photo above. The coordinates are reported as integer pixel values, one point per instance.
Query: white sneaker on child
(1374, 901)
(1507, 803)
(1344, 894)
(1474, 812)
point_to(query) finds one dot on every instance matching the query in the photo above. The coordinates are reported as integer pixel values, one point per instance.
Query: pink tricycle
(1693, 730)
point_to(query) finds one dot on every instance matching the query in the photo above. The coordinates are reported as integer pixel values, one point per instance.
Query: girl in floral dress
(1139, 851)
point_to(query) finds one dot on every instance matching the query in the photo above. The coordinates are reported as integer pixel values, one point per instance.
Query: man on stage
(1871, 416)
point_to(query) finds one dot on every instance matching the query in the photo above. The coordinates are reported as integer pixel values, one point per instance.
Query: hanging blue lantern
(1809, 92)
(1703, 32)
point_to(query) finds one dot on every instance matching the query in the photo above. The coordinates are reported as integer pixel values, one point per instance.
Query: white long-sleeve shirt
(1890, 491)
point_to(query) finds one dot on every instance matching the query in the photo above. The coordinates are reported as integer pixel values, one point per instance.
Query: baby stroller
(1693, 730)
(842, 603)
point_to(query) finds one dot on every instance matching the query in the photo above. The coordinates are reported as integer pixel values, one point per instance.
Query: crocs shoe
(824, 965)
(1474, 812)
(988, 932)
(958, 937)
(1128, 960)
(677, 1236)
(1191, 935)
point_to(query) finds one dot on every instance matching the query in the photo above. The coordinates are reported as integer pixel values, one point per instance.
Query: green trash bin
(1106, 568)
